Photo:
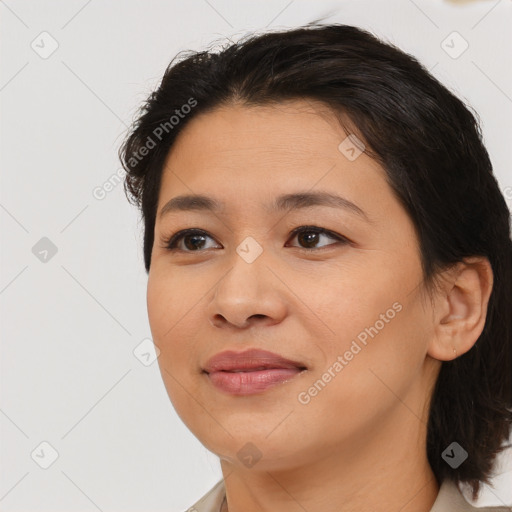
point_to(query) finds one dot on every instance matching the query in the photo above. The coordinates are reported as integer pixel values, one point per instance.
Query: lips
(251, 372)
(249, 361)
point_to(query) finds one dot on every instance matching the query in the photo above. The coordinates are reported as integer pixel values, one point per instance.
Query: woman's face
(351, 309)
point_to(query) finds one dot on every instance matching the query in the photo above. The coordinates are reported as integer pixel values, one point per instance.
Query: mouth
(250, 372)
(249, 361)
(261, 368)
(251, 382)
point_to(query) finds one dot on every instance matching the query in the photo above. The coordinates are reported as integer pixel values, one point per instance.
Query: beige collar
(449, 499)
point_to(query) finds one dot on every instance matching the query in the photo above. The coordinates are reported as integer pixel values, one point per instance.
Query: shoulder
(450, 499)
(211, 501)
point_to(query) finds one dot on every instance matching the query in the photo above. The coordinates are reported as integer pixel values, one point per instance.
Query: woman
(329, 263)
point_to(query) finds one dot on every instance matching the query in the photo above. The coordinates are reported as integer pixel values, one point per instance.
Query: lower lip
(249, 383)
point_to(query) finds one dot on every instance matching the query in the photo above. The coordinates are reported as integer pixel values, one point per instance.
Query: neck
(370, 475)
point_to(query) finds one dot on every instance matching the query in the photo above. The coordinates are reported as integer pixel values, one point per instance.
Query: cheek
(169, 299)
(369, 382)
(353, 299)
(382, 360)
(169, 314)
(156, 297)
(376, 322)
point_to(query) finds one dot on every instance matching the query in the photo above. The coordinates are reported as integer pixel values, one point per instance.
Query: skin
(359, 444)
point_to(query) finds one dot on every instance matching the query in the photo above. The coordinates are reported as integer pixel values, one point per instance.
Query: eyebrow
(295, 201)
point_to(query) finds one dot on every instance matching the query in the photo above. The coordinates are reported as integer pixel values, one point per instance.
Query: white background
(69, 325)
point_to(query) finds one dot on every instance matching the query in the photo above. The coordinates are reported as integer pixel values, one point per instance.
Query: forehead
(291, 129)
(263, 147)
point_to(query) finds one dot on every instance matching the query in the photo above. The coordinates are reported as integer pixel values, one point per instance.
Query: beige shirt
(449, 499)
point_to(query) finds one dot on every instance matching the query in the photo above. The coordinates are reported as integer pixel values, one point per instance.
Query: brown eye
(194, 240)
(309, 236)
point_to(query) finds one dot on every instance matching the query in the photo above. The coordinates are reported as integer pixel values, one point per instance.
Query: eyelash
(171, 242)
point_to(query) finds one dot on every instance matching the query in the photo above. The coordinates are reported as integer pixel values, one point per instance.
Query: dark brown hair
(430, 145)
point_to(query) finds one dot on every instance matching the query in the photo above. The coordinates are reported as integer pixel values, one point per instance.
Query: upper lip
(251, 359)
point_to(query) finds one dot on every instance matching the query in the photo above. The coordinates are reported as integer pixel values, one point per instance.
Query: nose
(248, 294)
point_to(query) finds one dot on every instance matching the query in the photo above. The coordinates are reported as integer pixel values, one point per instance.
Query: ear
(460, 308)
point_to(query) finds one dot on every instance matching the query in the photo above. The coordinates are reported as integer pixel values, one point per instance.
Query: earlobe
(461, 308)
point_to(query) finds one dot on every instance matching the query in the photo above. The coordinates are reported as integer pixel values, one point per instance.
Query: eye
(310, 235)
(195, 236)
(194, 239)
